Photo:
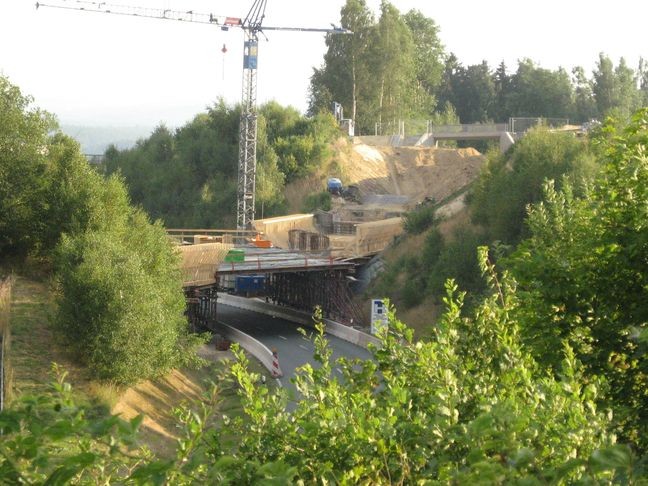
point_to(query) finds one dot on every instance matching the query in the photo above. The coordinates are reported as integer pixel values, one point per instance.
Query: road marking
(279, 383)
(303, 347)
(339, 371)
(285, 339)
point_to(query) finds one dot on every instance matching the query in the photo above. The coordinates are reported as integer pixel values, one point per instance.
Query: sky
(101, 69)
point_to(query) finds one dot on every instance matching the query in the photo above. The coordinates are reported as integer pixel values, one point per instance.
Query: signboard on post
(378, 315)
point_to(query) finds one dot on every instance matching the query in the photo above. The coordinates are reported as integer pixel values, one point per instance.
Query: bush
(511, 181)
(420, 219)
(121, 302)
(584, 277)
(320, 200)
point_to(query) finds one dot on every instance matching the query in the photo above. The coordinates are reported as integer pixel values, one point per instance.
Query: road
(292, 348)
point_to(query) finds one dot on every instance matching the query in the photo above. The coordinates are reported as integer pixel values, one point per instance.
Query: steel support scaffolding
(201, 307)
(306, 290)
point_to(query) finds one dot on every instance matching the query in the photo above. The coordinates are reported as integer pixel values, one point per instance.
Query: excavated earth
(416, 172)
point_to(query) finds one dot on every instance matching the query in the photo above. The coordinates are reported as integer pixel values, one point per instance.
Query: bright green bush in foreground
(469, 406)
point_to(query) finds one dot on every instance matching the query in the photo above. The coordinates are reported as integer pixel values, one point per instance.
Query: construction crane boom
(252, 25)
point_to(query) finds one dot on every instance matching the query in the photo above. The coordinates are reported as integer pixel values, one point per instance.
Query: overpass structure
(291, 278)
(473, 131)
(505, 133)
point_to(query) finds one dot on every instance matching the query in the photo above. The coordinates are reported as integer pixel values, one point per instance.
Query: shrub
(320, 200)
(419, 219)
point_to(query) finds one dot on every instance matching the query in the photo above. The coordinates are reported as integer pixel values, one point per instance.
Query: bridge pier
(201, 307)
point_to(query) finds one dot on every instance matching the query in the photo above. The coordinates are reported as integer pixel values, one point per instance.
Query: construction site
(307, 260)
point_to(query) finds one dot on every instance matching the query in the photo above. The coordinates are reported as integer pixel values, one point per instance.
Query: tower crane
(252, 26)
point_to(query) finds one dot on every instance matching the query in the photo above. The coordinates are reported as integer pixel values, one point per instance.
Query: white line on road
(285, 339)
(303, 347)
(339, 371)
(279, 383)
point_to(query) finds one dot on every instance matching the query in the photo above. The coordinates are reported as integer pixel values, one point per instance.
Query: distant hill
(96, 139)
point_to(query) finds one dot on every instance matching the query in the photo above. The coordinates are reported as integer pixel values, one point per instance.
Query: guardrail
(256, 348)
(336, 329)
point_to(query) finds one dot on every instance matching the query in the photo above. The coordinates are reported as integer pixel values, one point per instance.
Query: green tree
(24, 144)
(584, 102)
(510, 181)
(584, 277)
(345, 74)
(120, 306)
(429, 57)
(473, 93)
(470, 405)
(392, 56)
(502, 86)
(615, 89)
(539, 92)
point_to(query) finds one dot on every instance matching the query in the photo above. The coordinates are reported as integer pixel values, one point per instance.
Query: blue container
(334, 185)
(249, 284)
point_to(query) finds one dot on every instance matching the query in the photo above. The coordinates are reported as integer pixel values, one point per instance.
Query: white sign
(378, 315)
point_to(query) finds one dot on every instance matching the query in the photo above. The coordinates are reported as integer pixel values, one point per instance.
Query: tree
(584, 102)
(473, 92)
(539, 92)
(467, 406)
(509, 182)
(24, 143)
(121, 304)
(429, 57)
(584, 272)
(502, 86)
(615, 89)
(392, 56)
(345, 73)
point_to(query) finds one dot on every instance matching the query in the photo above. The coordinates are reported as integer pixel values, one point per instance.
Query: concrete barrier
(336, 329)
(256, 348)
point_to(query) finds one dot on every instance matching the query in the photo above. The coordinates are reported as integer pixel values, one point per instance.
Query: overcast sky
(102, 69)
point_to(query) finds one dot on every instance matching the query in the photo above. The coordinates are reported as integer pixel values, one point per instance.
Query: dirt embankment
(415, 172)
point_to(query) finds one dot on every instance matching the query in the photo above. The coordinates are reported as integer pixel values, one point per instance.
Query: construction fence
(413, 127)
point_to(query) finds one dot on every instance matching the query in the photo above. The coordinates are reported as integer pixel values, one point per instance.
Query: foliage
(185, 177)
(23, 147)
(386, 70)
(121, 302)
(511, 181)
(320, 200)
(468, 406)
(419, 219)
(535, 90)
(584, 276)
(615, 88)
(51, 439)
(188, 178)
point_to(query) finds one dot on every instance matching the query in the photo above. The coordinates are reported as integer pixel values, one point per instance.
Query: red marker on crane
(224, 51)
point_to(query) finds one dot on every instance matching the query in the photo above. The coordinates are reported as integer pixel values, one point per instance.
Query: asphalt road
(292, 348)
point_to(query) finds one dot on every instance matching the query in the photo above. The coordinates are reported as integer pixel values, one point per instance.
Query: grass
(34, 348)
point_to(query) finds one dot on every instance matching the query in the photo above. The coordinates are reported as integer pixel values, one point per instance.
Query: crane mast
(251, 26)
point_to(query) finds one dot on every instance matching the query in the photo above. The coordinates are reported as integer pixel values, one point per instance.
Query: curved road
(292, 348)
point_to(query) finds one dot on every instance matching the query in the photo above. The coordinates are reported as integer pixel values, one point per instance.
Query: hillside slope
(415, 172)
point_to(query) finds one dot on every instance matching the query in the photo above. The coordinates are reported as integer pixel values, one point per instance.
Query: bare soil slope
(416, 172)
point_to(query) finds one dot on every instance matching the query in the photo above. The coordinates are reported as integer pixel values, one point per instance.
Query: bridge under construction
(301, 280)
